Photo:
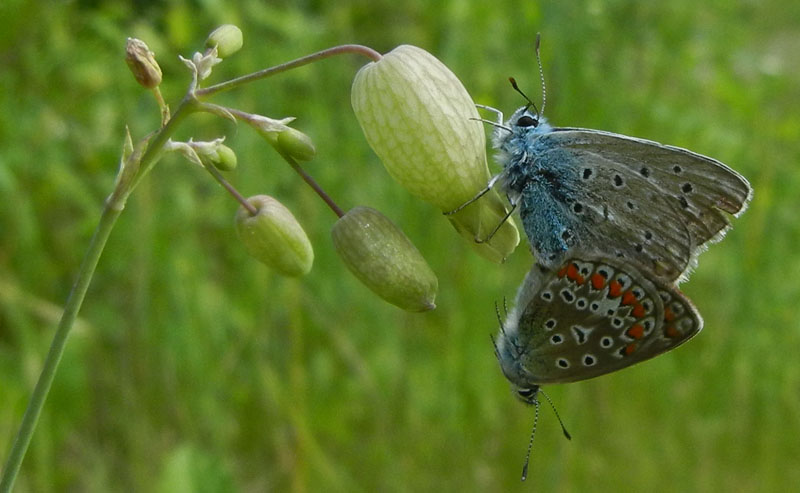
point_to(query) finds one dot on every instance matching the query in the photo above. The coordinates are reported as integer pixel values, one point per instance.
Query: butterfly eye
(527, 121)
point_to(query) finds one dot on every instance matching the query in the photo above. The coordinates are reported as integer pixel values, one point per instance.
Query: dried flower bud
(383, 258)
(296, 144)
(274, 237)
(142, 63)
(227, 38)
(419, 119)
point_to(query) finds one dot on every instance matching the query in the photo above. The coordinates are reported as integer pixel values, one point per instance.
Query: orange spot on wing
(638, 310)
(671, 332)
(636, 332)
(668, 315)
(574, 275)
(614, 289)
(629, 349)
(562, 271)
(598, 281)
(628, 298)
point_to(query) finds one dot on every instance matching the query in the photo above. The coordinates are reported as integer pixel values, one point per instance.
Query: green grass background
(193, 368)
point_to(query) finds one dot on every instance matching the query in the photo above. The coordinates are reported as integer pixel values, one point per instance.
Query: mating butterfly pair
(603, 212)
(599, 204)
(615, 223)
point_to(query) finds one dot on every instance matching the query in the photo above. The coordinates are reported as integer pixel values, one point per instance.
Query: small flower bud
(227, 38)
(296, 144)
(274, 237)
(420, 121)
(216, 154)
(383, 258)
(142, 63)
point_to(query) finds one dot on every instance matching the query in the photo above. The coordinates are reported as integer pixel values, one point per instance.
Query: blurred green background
(193, 368)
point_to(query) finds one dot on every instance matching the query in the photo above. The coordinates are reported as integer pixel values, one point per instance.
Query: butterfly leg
(477, 196)
(497, 228)
(493, 110)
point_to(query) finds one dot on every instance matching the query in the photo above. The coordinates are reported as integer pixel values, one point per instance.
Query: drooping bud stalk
(142, 63)
(274, 237)
(420, 120)
(227, 38)
(380, 255)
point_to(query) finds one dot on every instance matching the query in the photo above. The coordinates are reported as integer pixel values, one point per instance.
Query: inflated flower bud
(142, 63)
(420, 120)
(227, 38)
(383, 258)
(274, 237)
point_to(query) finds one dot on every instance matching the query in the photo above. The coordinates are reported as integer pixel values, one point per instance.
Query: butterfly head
(518, 133)
(527, 394)
(510, 353)
(527, 120)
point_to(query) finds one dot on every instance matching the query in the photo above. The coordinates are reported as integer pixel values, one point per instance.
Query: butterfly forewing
(592, 317)
(655, 205)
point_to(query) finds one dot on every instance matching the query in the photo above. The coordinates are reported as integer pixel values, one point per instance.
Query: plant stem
(336, 50)
(71, 308)
(111, 210)
(313, 184)
(231, 189)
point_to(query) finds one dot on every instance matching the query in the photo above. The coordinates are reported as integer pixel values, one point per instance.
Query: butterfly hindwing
(591, 316)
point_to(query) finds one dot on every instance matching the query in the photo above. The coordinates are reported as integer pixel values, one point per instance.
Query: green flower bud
(295, 144)
(226, 159)
(419, 119)
(227, 38)
(269, 128)
(142, 63)
(216, 154)
(274, 237)
(384, 259)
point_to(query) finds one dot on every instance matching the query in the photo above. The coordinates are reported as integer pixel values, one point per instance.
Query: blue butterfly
(655, 205)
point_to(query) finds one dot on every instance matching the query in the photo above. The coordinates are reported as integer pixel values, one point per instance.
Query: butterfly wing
(651, 203)
(590, 317)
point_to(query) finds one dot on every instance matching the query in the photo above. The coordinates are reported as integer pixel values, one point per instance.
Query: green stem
(231, 189)
(336, 50)
(313, 184)
(111, 211)
(73, 305)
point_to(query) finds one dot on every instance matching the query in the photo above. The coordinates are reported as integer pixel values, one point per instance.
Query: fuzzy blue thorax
(541, 180)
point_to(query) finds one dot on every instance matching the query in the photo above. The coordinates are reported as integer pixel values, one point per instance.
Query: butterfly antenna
(563, 428)
(530, 442)
(513, 82)
(541, 71)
